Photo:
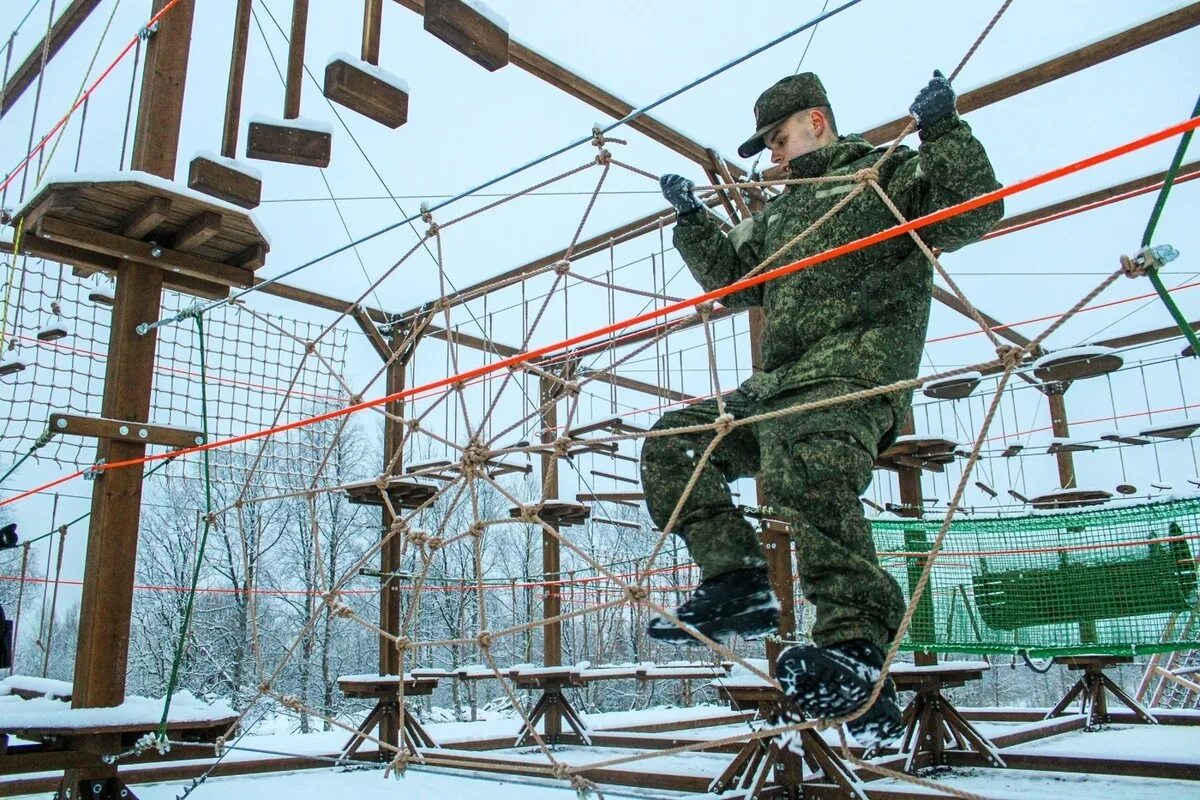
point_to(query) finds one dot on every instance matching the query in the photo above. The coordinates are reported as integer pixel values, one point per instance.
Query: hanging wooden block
(11, 367)
(51, 333)
(1070, 498)
(1012, 450)
(953, 388)
(471, 28)
(1123, 438)
(1076, 363)
(404, 494)
(367, 89)
(1059, 445)
(225, 179)
(290, 141)
(101, 297)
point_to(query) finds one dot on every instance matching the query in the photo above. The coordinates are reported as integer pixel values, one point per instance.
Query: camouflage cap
(793, 93)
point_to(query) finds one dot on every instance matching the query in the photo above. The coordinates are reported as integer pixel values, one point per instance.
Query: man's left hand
(934, 103)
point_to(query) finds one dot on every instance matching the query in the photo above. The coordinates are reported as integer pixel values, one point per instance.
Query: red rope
(738, 286)
(83, 98)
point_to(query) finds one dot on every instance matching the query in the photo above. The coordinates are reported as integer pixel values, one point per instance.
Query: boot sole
(753, 624)
(820, 687)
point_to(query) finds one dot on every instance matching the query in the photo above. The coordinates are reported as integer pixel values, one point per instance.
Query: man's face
(796, 136)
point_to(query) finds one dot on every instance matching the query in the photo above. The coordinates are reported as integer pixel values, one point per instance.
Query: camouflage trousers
(812, 467)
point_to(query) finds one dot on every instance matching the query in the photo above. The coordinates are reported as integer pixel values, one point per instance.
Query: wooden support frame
(63, 28)
(1092, 690)
(125, 431)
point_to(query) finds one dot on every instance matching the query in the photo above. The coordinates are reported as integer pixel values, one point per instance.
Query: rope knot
(867, 175)
(604, 158)
(434, 542)
(398, 528)
(441, 304)
(582, 786)
(355, 399)
(570, 388)
(705, 309)
(1132, 268)
(397, 765)
(401, 643)
(291, 702)
(528, 513)
(337, 606)
(1010, 355)
(561, 771)
(723, 424)
(636, 594)
(561, 446)
(561, 267)
(211, 518)
(413, 425)
(476, 530)
(310, 347)
(484, 640)
(475, 455)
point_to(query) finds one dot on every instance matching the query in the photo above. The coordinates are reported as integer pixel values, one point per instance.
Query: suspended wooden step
(1070, 498)
(307, 142)
(11, 367)
(1172, 430)
(471, 28)
(953, 388)
(102, 297)
(99, 223)
(558, 513)
(1126, 488)
(368, 89)
(225, 179)
(617, 523)
(1012, 450)
(1123, 438)
(404, 494)
(612, 424)
(925, 452)
(612, 476)
(1076, 364)
(52, 332)
(1063, 445)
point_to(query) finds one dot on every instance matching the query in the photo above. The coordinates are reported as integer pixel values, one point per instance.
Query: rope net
(1112, 581)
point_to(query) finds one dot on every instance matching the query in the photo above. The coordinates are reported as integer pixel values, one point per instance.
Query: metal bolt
(199, 440)
(143, 433)
(123, 430)
(62, 423)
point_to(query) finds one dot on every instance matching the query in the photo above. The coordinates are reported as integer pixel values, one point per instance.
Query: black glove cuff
(689, 217)
(938, 129)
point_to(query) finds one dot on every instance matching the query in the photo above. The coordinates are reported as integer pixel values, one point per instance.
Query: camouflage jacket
(860, 318)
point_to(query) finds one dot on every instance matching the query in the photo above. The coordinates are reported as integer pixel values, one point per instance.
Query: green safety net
(1117, 581)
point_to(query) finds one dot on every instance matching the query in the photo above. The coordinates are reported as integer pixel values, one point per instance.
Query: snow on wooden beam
(367, 89)
(470, 28)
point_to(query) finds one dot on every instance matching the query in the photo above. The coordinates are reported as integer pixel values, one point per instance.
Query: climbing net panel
(1118, 581)
(58, 330)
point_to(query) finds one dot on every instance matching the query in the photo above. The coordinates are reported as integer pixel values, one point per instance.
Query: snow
(488, 14)
(27, 683)
(374, 70)
(305, 123)
(231, 163)
(156, 182)
(959, 378)
(942, 666)
(1153, 429)
(1070, 353)
(135, 711)
(740, 676)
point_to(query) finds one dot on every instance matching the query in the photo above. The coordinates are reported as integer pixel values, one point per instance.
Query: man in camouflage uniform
(855, 322)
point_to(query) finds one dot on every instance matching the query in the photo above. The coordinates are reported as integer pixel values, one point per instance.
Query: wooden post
(551, 549)
(372, 25)
(237, 74)
(107, 602)
(390, 662)
(912, 505)
(295, 68)
(1056, 395)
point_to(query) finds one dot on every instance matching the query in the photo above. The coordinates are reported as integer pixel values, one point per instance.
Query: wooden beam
(55, 203)
(142, 222)
(1077, 60)
(125, 430)
(63, 28)
(951, 301)
(162, 258)
(252, 258)
(469, 32)
(372, 29)
(199, 230)
(640, 386)
(381, 346)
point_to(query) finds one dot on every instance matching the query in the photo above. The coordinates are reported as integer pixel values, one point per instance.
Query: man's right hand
(680, 193)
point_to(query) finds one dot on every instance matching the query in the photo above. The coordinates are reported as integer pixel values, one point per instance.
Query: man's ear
(818, 122)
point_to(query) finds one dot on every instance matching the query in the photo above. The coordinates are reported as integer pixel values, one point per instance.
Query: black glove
(934, 105)
(680, 193)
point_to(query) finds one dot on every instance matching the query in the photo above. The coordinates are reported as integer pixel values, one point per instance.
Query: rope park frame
(475, 455)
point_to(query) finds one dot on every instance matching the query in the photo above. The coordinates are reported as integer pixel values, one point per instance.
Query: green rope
(1176, 163)
(38, 444)
(208, 505)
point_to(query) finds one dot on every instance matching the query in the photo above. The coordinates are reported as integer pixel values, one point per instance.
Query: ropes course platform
(202, 247)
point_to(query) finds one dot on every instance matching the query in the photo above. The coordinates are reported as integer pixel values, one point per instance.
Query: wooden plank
(142, 222)
(161, 258)
(124, 430)
(363, 92)
(295, 67)
(374, 337)
(252, 258)
(202, 228)
(372, 30)
(224, 183)
(56, 203)
(466, 30)
(289, 145)
(63, 28)
(237, 75)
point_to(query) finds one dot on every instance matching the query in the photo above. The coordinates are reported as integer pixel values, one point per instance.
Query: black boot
(831, 682)
(739, 601)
